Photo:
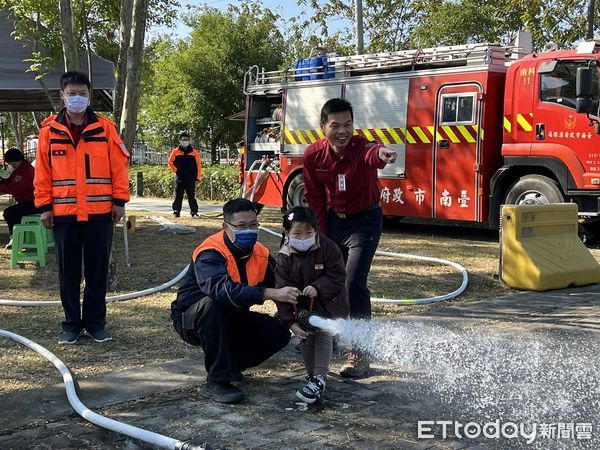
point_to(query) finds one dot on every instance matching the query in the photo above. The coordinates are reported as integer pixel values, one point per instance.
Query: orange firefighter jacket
(256, 266)
(186, 164)
(80, 182)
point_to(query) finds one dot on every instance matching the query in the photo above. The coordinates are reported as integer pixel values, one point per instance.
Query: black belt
(364, 212)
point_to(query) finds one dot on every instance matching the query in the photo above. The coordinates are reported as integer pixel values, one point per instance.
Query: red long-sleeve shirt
(20, 183)
(350, 182)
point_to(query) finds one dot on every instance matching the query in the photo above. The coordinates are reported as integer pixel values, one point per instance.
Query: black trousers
(13, 214)
(232, 340)
(190, 189)
(358, 237)
(92, 241)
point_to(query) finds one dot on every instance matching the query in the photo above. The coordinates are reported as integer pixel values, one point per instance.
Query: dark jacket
(20, 183)
(207, 276)
(185, 163)
(321, 267)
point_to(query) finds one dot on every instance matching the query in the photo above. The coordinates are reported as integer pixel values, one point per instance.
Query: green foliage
(402, 24)
(196, 84)
(159, 182)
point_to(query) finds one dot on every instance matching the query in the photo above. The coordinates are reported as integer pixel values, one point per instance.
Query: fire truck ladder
(343, 66)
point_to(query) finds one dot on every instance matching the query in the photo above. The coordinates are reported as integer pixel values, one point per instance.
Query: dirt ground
(158, 256)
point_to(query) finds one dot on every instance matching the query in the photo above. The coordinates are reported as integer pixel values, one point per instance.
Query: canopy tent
(19, 90)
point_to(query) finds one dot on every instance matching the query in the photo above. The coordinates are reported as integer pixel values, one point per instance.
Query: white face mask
(301, 245)
(76, 103)
(184, 143)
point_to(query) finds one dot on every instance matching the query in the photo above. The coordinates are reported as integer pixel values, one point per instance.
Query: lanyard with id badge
(341, 182)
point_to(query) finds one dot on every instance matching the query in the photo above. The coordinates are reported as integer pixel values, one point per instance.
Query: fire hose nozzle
(303, 319)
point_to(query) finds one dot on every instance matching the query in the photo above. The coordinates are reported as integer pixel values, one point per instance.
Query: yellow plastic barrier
(541, 249)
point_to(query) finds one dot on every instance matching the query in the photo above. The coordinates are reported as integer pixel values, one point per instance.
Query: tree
(133, 65)
(67, 34)
(446, 22)
(387, 23)
(196, 84)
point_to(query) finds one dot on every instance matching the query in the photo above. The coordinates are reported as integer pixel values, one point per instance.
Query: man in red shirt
(20, 185)
(342, 168)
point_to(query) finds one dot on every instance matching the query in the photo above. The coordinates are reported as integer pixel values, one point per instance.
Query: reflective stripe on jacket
(256, 266)
(80, 182)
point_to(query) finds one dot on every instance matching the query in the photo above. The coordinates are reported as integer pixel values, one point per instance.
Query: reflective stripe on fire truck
(524, 121)
(413, 135)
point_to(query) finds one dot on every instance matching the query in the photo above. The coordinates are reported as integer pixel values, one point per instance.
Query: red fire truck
(474, 126)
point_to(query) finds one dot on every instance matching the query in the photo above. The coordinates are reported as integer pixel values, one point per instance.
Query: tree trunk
(38, 119)
(124, 38)
(88, 49)
(67, 34)
(135, 56)
(55, 106)
(15, 124)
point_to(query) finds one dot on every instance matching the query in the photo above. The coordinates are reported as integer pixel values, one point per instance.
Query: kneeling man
(230, 271)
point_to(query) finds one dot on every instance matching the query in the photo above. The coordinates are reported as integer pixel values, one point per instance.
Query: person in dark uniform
(343, 167)
(185, 163)
(230, 271)
(20, 185)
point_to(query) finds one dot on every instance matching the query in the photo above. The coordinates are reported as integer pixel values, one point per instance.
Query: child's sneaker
(313, 391)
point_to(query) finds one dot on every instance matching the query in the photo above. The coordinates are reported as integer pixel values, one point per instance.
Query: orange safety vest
(256, 266)
(80, 182)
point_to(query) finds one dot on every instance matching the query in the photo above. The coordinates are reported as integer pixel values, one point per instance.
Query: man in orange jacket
(185, 163)
(229, 272)
(81, 185)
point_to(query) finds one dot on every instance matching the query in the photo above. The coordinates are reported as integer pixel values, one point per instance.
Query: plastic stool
(47, 235)
(18, 255)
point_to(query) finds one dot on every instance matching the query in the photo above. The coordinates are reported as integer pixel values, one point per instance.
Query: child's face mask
(301, 245)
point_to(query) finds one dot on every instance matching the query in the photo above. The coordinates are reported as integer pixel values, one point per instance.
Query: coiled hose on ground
(158, 439)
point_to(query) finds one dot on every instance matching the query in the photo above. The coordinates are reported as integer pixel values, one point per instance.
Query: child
(314, 264)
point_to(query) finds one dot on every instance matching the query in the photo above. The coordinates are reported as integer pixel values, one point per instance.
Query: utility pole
(358, 18)
(590, 20)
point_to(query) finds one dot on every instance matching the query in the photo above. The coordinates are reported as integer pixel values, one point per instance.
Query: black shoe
(68, 337)
(313, 391)
(195, 216)
(223, 392)
(175, 213)
(100, 335)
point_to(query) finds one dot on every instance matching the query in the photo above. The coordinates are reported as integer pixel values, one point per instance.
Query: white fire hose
(168, 284)
(415, 301)
(97, 419)
(154, 438)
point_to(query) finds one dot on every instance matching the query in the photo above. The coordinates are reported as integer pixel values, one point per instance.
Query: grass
(142, 327)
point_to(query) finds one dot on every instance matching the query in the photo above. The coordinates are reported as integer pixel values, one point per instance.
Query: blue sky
(286, 9)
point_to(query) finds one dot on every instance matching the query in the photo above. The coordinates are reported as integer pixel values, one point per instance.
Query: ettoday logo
(431, 429)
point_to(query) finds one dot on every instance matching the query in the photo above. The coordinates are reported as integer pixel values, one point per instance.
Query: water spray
(311, 321)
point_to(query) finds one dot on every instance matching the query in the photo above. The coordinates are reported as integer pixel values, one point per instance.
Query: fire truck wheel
(534, 190)
(295, 192)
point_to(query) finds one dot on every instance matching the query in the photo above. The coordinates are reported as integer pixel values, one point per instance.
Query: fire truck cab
(474, 126)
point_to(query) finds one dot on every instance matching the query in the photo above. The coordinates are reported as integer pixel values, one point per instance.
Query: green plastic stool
(18, 255)
(47, 235)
